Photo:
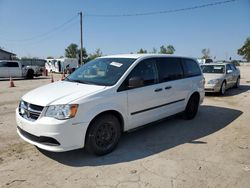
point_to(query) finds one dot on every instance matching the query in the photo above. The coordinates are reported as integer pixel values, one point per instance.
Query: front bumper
(212, 88)
(65, 134)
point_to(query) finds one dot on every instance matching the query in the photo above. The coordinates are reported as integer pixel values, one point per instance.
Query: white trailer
(61, 65)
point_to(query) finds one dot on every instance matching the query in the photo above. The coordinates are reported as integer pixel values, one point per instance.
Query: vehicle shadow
(232, 91)
(20, 79)
(155, 138)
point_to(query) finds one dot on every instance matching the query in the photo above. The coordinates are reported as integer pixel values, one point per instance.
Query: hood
(61, 92)
(212, 76)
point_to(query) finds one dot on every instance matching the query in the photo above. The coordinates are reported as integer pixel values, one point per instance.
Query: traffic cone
(63, 76)
(12, 83)
(52, 79)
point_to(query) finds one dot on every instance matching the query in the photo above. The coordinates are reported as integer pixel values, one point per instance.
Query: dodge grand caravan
(107, 96)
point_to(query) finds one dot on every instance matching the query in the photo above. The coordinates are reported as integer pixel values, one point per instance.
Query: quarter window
(169, 69)
(191, 68)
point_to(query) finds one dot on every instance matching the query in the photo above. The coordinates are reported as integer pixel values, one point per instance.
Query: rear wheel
(223, 88)
(192, 107)
(103, 134)
(30, 74)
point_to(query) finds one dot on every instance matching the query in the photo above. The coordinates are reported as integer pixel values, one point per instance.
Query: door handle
(168, 87)
(158, 90)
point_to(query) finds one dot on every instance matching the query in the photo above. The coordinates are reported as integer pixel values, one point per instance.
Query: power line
(161, 12)
(45, 33)
(44, 38)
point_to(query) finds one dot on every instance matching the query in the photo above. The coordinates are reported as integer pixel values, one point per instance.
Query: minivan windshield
(216, 69)
(101, 71)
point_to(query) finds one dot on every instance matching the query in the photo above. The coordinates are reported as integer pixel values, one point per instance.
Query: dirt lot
(213, 150)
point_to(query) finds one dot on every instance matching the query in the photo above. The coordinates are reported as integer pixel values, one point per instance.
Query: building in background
(5, 55)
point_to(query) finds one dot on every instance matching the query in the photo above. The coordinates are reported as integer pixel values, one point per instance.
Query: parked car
(107, 96)
(18, 69)
(10, 68)
(33, 67)
(220, 76)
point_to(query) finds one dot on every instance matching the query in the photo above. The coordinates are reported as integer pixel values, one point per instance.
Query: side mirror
(135, 82)
(229, 71)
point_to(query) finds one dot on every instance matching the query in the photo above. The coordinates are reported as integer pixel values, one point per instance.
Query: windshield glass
(102, 71)
(216, 69)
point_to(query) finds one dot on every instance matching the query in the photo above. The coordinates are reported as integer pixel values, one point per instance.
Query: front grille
(30, 111)
(39, 139)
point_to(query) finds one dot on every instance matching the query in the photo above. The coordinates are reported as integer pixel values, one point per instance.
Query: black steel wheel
(103, 134)
(30, 74)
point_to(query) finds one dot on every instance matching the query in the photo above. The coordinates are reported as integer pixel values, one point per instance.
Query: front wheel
(223, 88)
(237, 84)
(192, 107)
(103, 134)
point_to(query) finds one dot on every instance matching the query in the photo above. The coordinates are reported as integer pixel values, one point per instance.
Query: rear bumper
(51, 134)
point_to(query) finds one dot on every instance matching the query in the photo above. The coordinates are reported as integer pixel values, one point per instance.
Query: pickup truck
(10, 68)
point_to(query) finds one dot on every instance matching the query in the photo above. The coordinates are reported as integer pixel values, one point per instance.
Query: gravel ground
(213, 150)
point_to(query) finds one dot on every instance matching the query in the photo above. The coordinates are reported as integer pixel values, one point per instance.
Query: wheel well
(114, 113)
(30, 71)
(196, 94)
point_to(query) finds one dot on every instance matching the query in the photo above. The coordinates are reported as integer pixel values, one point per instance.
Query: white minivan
(107, 96)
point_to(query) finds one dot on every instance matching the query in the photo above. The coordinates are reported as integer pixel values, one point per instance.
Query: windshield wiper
(83, 82)
(79, 81)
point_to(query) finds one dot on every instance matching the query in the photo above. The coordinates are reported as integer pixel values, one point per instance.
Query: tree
(167, 50)
(245, 50)
(170, 49)
(84, 55)
(163, 50)
(154, 51)
(50, 57)
(71, 51)
(206, 53)
(97, 53)
(141, 51)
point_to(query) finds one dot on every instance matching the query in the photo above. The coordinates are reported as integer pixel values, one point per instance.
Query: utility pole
(81, 37)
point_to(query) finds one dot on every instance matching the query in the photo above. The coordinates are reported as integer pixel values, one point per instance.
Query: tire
(103, 134)
(192, 107)
(30, 74)
(237, 84)
(223, 88)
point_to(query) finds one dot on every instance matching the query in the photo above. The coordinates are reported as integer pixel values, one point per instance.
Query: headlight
(215, 81)
(62, 111)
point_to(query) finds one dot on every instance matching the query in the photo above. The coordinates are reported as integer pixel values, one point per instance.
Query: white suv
(107, 96)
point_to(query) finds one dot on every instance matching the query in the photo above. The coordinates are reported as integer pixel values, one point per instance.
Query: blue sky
(25, 24)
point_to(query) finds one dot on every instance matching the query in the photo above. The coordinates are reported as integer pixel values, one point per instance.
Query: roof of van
(207, 64)
(136, 56)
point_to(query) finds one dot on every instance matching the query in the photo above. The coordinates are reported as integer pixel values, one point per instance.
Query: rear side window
(3, 64)
(191, 68)
(12, 64)
(169, 69)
